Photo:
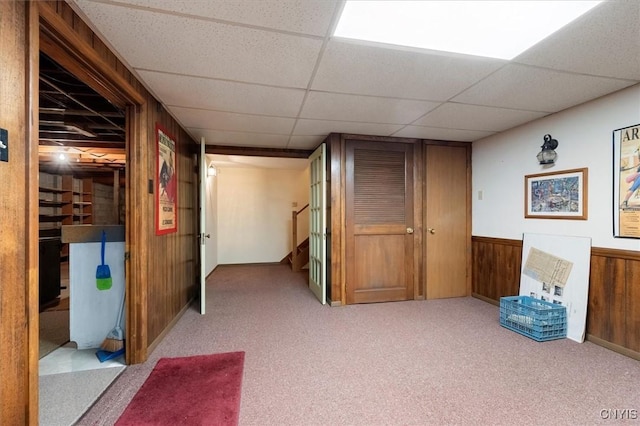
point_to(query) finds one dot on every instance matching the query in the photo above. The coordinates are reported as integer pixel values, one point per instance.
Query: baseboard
(485, 299)
(613, 347)
(335, 303)
(168, 328)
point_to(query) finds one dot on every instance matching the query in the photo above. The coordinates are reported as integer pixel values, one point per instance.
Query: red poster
(166, 189)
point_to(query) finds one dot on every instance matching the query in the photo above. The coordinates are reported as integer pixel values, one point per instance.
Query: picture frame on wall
(556, 195)
(626, 182)
(166, 187)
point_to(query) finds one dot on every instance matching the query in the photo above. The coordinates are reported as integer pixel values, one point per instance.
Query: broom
(103, 273)
(114, 341)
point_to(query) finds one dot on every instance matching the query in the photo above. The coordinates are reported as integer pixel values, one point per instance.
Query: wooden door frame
(64, 45)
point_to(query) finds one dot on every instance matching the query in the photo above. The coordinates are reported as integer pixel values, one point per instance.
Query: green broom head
(103, 279)
(103, 273)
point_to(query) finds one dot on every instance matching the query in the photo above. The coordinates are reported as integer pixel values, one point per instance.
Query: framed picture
(556, 195)
(626, 182)
(166, 188)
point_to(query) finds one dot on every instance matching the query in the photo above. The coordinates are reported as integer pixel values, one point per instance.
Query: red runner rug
(196, 390)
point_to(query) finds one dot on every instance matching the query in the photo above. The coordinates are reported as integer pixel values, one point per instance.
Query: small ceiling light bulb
(61, 157)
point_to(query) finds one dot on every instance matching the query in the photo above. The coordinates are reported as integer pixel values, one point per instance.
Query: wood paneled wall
(163, 268)
(17, 322)
(613, 313)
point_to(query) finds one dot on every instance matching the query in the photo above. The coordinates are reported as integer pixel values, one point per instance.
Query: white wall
(211, 222)
(254, 212)
(584, 134)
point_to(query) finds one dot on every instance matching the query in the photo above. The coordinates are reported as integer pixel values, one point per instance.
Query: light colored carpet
(404, 363)
(65, 397)
(54, 331)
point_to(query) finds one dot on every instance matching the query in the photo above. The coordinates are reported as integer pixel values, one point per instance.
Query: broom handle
(121, 310)
(104, 241)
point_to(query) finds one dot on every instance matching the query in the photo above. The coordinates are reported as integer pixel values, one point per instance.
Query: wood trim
(419, 189)
(613, 347)
(334, 146)
(258, 152)
(486, 299)
(448, 143)
(137, 245)
(32, 265)
(342, 152)
(497, 241)
(102, 76)
(168, 328)
(619, 254)
(370, 138)
(469, 266)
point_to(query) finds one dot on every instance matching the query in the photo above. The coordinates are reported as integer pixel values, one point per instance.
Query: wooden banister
(294, 238)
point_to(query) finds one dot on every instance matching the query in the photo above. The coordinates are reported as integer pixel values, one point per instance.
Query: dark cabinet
(49, 270)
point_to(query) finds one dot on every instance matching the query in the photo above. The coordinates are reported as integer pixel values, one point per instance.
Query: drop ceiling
(268, 73)
(78, 128)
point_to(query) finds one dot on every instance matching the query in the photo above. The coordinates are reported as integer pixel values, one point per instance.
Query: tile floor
(69, 359)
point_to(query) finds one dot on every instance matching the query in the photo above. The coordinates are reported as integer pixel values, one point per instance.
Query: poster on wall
(166, 183)
(555, 268)
(626, 182)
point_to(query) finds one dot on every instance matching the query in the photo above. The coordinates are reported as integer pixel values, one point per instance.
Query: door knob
(431, 230)
(409, 230)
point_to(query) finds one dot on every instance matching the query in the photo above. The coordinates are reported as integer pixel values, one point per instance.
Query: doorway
(82, 181)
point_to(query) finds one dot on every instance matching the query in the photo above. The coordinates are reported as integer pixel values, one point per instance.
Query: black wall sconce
(548, 155)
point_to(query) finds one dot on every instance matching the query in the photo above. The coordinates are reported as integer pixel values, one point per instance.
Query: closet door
(379, 221)
(447, 236)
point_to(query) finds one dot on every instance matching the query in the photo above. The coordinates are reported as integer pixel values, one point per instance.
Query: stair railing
(294, 238)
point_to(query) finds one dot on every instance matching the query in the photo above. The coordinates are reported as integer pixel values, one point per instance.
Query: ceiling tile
(305, 142)
(605, 41)
(441, 134)
(324, 127)
(332, 106)
(372, 70)
(535, 89)
(474, 117)
(301, 16)
(205, 48)
(215, 137)
(190, 117)
(175, 90)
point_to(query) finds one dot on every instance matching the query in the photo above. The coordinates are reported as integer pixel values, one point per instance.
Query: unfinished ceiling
(270, 74)
(79, 129)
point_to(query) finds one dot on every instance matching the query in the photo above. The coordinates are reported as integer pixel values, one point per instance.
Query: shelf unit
(62, 200)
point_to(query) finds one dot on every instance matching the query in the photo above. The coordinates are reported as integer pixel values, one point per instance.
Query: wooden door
(379, 221)
(446, 234)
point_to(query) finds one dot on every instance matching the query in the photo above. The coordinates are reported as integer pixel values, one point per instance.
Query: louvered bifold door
(379, 221)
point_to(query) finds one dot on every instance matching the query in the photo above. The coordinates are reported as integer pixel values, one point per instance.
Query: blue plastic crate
(534, 318)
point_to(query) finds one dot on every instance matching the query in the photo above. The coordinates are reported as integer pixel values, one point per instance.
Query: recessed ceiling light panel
(495, 29)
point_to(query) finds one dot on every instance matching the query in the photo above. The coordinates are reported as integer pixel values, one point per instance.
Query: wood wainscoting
(613, 313)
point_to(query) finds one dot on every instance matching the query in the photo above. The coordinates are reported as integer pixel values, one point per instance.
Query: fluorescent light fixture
(496, 29)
